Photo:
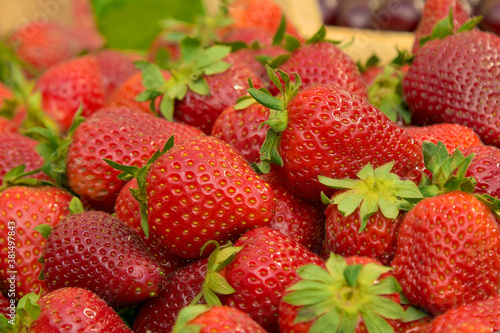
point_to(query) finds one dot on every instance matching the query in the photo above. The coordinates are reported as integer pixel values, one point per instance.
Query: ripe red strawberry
(126, 136)
(343, 296)
(485, 168)
(261, 272)
(76, 310)
(363, 219)
(67, 86)
(125, 94)
(159, 314)
(220, 319)
(437, 92)
(434, 11)
(301, 220)
(330, 132)
(453, 136)
(324, 63)
(17, 149)
(448, 252)
(213, 194)
(43, 44)
(116, 67)
(128, 210)
(5, 306)
(481, 314)
(264, 14)
(27, 207)
(98, 252)
(241, 129)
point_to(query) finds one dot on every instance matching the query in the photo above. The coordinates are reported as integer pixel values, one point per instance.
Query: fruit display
(230, 173)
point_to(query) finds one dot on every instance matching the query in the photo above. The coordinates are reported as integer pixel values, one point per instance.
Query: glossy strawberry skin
(241, 129)
(453, 136)
(434, 11)
(333, 133)
(324, 63)
(98, 252)
(160, 314)
(126, 136)
(28, 207)
(299, 219)
(377, 240)
(485, 168)
(212, 194)
(261, 272)
(448, 252)
(68, 85)
(76, 310)
(486, 312)
(44, 44)
(17, 149)
(437, 90)
(201, 111)
(116, 67)
(127, 209)
(223, 319)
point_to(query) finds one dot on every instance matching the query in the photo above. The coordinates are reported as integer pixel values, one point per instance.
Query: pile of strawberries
(245, 178)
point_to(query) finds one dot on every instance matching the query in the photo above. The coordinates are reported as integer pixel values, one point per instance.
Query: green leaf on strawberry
(335, 297)
(376, 189)
(197, 62)
(27, 311)
(186, 315)
(140, 193)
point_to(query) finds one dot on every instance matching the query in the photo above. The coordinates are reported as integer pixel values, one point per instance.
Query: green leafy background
(133, 24)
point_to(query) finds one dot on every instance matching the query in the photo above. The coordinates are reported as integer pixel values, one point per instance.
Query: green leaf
(470, 24)
(199, 86)
(319, 36)
(306, 297)
(291, 43)
(167, 108)
(212, 55)
(386, 308)
(152, 77)
(376, 324)
(244, 102)
(44, 230)
(413, 313)
(329, 322)
(280, 32)
(315, 273)
(190, 49)
(434, 155)
(386, 286)
(269, 150)
(133, 24)
(351, 274)
(267, 100)
(442, 29)
(348, 323)
(187, 314)
(76, 206)
(371, 272)
(218, 284)
(216, 68)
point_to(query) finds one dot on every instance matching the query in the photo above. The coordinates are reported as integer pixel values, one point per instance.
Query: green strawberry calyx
(186, 315)
(376, 190)
(27, 311)
(336, 296)
(445, 27)
(215, 283)
(140, 193)
(197, 63)
(278, 115)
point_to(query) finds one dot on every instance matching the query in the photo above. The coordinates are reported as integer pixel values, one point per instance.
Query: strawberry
(98, 252)
(485, 168)
(437, 92)
(159, 314)
(264, 14)
(128, 210)
(76, 310)
(363, 219)
(17, 149)
(203, 84)
(43, 44)
(116, 67)
(23, 208)
(480, 314)
(297, 218)
(321, 62)
(453, 136)
(67, 86)
(126, 93)
(448, 252)
(127, 136)
(213, 194)
(327, 131)
(434, 11)
(220, 319)
(241, 128)
(345, 294)
(5, 306)
(261, 272)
